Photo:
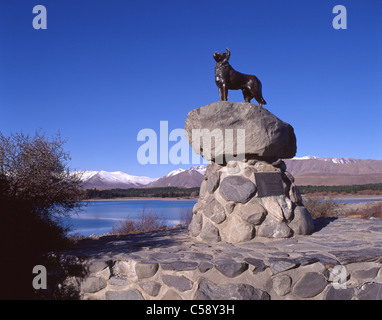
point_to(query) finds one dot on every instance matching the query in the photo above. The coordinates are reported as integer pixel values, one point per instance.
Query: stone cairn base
(230, 209)
(254, 196)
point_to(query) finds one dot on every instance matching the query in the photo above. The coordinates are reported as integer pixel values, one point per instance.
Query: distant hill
(189, 178)
(306, 171)
(111, 180)
(334, 171)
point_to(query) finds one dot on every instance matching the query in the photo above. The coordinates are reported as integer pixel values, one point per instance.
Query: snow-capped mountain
(333, 160)
(308, 170)
(201, 169)
(312, 170)
(117, 179)
(191, 177)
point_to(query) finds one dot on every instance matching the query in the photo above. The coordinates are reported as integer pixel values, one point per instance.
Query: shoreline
(142, 198)
(334, 197)
(376, 197)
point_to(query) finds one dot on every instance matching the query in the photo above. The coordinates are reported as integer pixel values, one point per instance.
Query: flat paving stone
(230, 268)
(310, 285)
(334, 242)
(279, 265)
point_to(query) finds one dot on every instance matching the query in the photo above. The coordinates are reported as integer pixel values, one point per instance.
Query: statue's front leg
(224, 93)
(221, 93)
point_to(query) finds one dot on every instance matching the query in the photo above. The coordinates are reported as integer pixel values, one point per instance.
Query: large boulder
(246, 191)
(266, 136)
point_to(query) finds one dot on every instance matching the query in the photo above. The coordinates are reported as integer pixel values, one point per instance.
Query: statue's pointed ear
(228, 52)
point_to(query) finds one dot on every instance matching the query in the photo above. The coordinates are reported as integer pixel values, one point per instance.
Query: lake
(100, 216)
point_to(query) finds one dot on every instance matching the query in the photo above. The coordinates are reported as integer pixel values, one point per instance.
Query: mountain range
(307, 170)
(334, 171)
(110, 180)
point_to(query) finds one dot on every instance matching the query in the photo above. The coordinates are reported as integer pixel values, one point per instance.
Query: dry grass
(328, 208)
(148, 220)
(185, 217)
(373, 210)
(322, 208)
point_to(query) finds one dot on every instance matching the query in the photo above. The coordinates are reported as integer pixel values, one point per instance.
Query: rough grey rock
(213, 182)
(210, 233)
(302, 222)
(230, 268)
(261, 166)
(339, 294)
(237, 189)
(279, 265)
(252, 212)
(370, 291)
(196, 224)
(214, 210)
(248, 172)
(352, 256)
(203, 189)
(93, 284)
(294, 194)
(325, 259)
(171, 295)
(266, 136)
(118, 280)
(235, 231)
(366, 273)
(229, 207)
(271, 228)
(310, 285)
(271, 204)
(151, 288)
(205, 266)
(198, 206)
(124, 295)
(180, 283)
(192, 256)
(289, 176)
(259, 265)
(282, 284)
(208, 290)
(179, 265)
(123, 267)
(97, 265)
(146, 269)
(164, 256)
(211, 168)
(286, 206)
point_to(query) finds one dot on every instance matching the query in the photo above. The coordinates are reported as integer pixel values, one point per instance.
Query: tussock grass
(322, 208)
(373, 210)
(148, 220)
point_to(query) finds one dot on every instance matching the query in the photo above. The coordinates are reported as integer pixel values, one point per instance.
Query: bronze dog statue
(228, 78)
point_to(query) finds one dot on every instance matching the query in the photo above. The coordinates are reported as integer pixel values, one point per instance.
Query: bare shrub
(148, 220)
(373, 210)
(322, 207)
(37, 191)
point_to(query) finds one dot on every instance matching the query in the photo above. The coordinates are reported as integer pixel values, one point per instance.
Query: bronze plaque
(269, 184)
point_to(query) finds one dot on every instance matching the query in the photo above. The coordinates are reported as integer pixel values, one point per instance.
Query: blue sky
(104, 70)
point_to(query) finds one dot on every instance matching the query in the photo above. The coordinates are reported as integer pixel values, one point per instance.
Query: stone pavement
(342, 259)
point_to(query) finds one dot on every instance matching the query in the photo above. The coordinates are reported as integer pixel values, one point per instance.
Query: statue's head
(219, 57)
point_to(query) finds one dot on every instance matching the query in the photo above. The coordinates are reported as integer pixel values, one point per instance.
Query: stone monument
(246, 191)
